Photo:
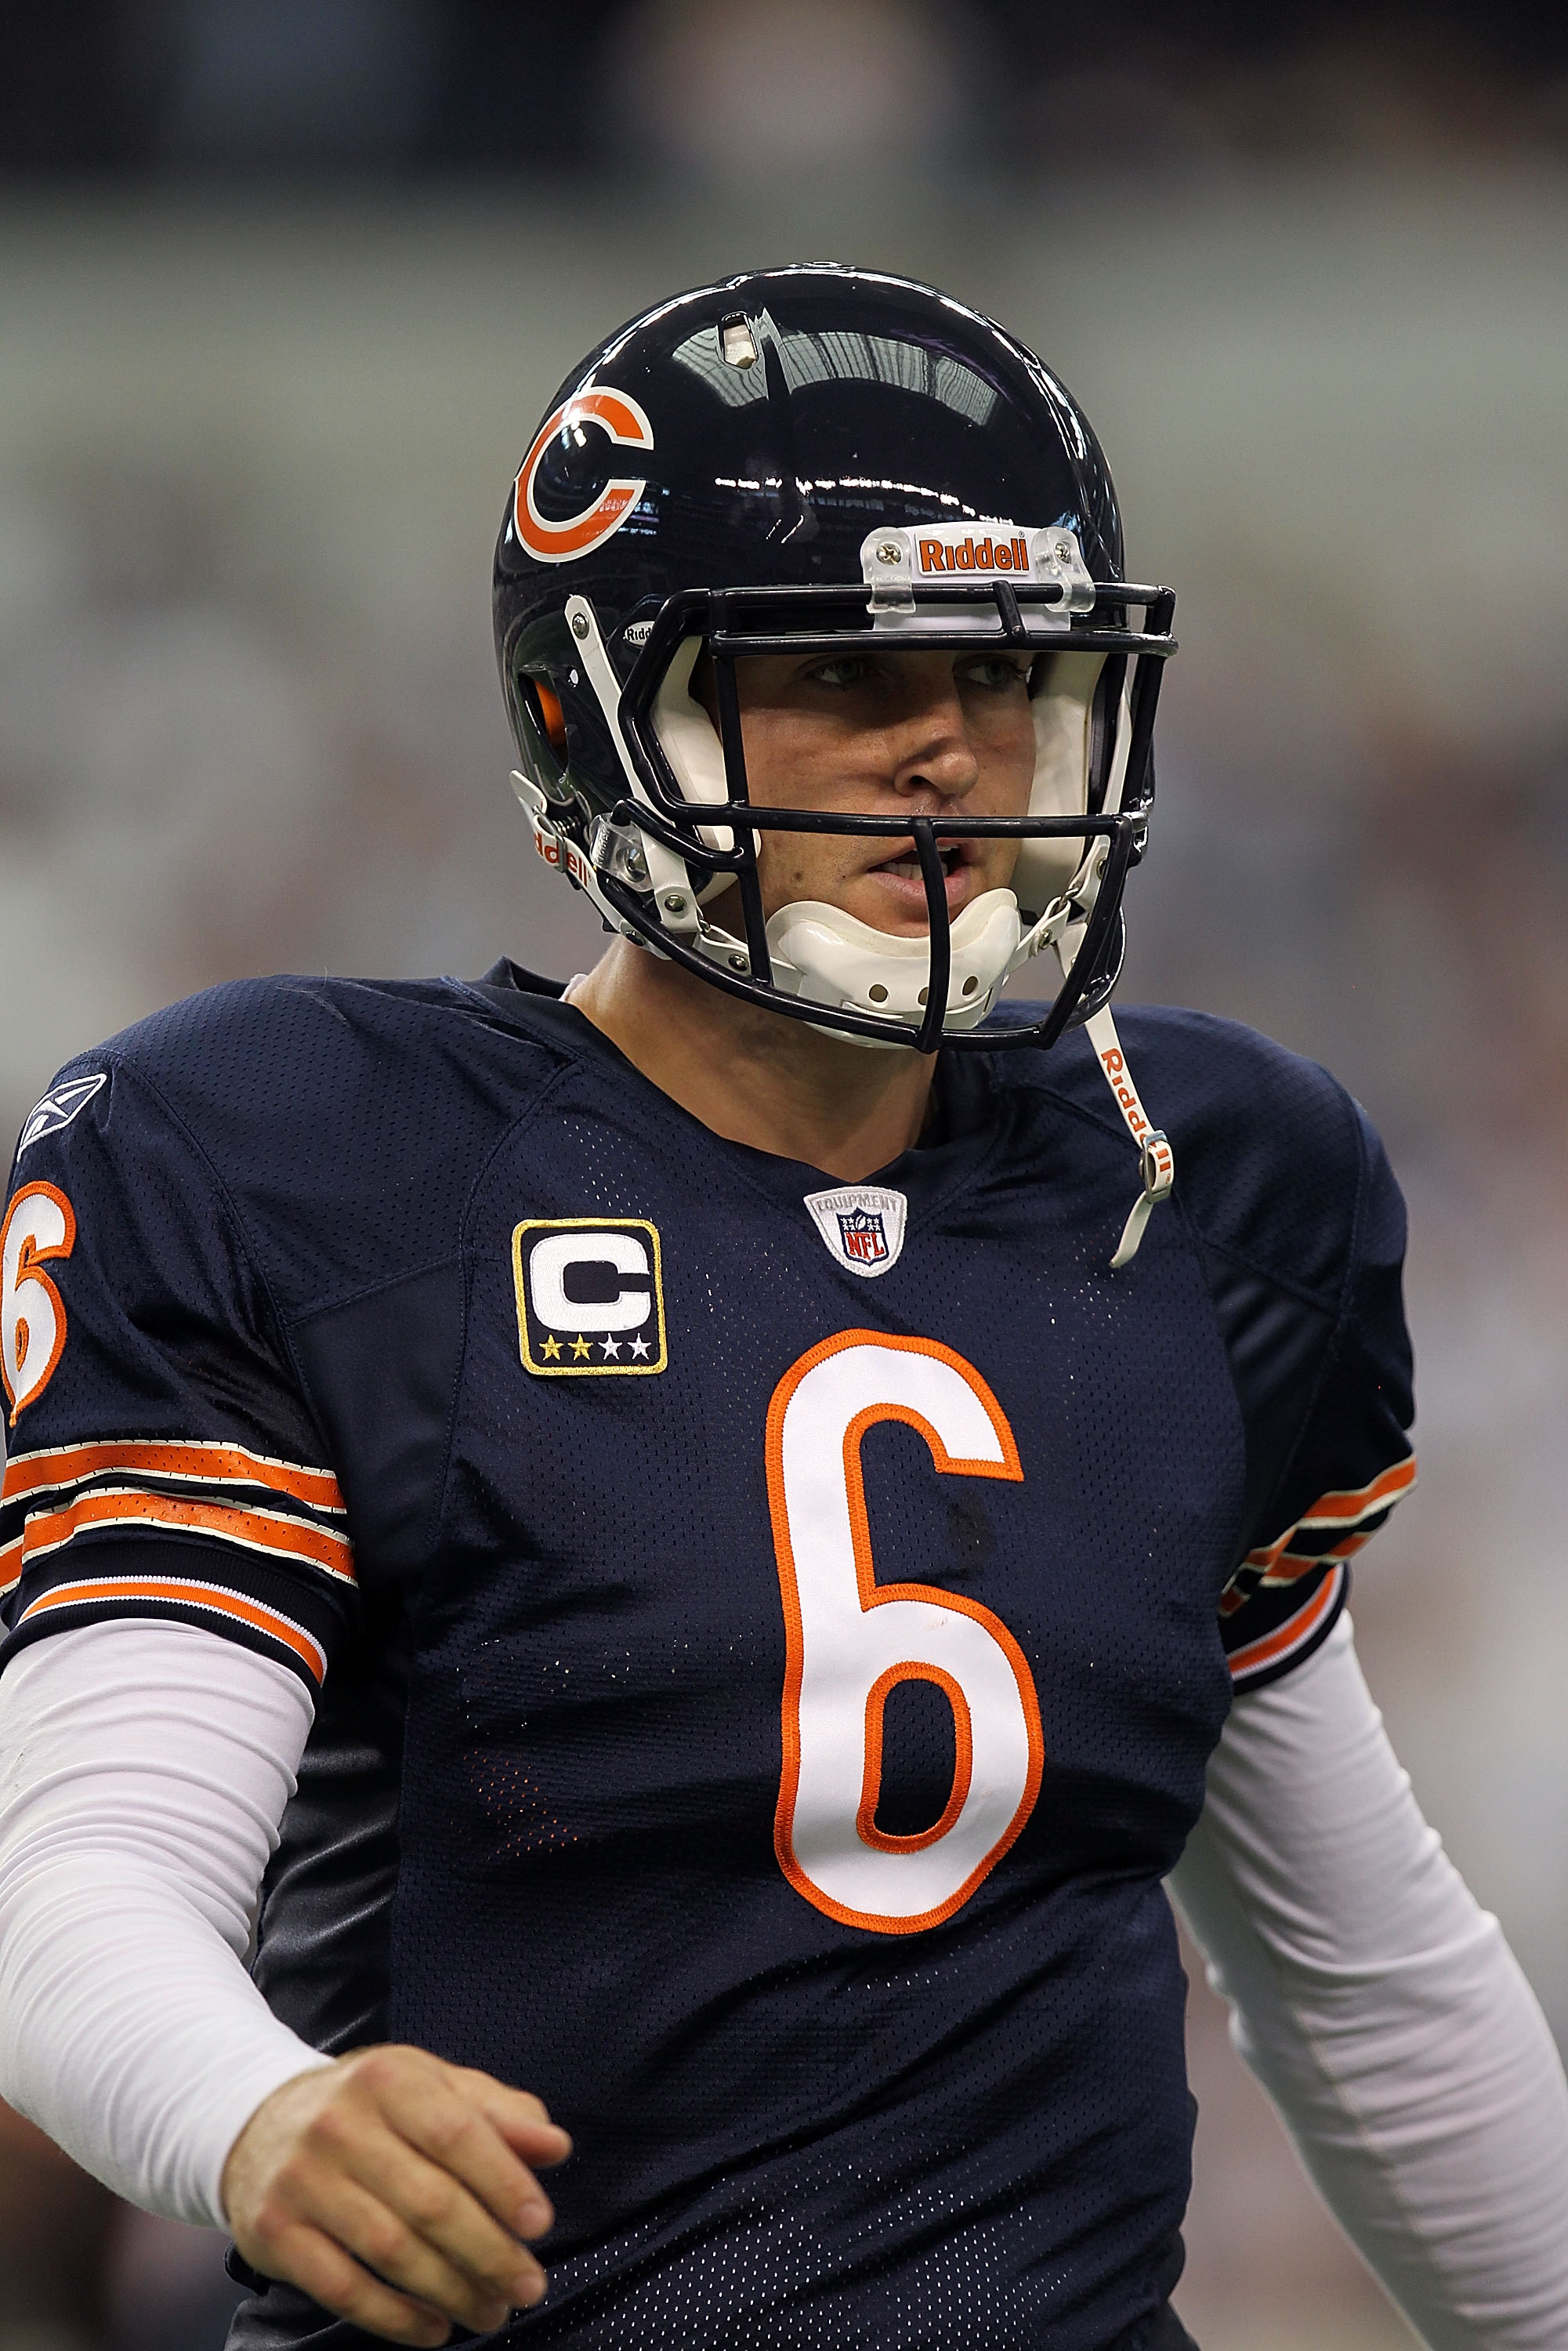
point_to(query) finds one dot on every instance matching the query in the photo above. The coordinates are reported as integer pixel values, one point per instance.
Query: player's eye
(850, 669)
(995, 675)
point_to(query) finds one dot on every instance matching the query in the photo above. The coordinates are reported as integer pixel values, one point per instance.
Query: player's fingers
(311, 2260)
(430, 2266)
(446, 2123)
(523, 2120)
(423, 2201)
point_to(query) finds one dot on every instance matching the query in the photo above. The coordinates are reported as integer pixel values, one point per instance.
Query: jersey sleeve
(1326, 1386)
(162, 1460)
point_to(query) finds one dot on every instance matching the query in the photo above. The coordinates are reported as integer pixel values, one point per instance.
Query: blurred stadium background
(283, 285)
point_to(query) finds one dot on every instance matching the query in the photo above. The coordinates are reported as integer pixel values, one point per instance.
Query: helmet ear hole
(552, 718)
(538, 724)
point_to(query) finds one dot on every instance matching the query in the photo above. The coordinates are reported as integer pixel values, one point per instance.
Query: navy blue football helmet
(823, 458)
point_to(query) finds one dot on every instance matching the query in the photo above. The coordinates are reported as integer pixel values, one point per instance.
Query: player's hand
(392, 2162)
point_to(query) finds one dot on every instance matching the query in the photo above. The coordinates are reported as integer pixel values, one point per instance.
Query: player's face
(924, 734)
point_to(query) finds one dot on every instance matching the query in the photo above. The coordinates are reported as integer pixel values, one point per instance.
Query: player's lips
(900, 879)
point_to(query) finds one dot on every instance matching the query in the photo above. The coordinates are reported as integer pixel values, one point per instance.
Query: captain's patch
(590, 1297)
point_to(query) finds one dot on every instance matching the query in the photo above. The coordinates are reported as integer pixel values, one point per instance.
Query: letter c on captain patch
(626, 422)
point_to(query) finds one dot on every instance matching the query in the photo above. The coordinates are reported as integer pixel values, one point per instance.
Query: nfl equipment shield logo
(864, 1238)
(861, 1224)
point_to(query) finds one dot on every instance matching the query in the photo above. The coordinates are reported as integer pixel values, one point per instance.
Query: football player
(670, 1557)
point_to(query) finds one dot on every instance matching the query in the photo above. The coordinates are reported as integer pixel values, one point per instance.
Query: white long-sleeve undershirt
(143, 1771)
(1384, 2012)
(144, 1768)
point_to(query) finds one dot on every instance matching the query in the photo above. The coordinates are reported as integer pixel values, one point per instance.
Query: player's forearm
(1383, 2012)
(145, 2079)
(144, 1769)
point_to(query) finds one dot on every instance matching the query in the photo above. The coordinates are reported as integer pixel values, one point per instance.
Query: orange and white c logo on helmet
(558, 542)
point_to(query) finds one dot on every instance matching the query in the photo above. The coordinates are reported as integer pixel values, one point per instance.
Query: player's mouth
(899, 879)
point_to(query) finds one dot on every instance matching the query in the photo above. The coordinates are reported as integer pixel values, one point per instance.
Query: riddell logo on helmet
(556, 848)
(626, 422)
(973, 554)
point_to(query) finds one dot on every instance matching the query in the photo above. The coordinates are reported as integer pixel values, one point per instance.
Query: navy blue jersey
(766, 1633)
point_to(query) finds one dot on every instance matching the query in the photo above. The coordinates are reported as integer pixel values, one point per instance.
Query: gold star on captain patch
(579, 1347)
(552, 1348)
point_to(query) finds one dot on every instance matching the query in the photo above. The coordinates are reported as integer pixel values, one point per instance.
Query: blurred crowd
(285, 285)
(1001, 89)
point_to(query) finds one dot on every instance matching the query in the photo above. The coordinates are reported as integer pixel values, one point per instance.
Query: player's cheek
(794, 865)
(1008, 763)
(1001, 861)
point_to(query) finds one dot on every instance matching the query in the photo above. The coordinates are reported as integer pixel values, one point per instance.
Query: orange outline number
(40, 1223)
(850, 1640)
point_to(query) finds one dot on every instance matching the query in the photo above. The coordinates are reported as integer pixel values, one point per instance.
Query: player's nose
(932, 749)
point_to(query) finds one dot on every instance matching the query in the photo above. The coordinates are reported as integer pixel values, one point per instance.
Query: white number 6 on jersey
(39, 1224)
(850, 1640)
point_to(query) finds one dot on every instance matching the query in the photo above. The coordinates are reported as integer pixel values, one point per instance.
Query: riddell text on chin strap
(1158, 1159)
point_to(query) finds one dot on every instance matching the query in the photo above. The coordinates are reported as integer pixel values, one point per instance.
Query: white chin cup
(826, 956)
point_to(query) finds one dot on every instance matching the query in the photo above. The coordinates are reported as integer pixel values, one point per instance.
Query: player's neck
(756, 1077)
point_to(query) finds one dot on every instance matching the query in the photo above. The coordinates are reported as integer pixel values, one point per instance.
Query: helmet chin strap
(824, 956)
(1063, 927)
(1157, 1158)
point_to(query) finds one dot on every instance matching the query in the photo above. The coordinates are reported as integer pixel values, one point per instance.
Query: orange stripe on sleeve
(174, 1590)
(272, 1532)
(1330, 1513)
(230, 1465)
(1272, 1647)
(1290, 1566)
(1380, 1493)
(10, 1567)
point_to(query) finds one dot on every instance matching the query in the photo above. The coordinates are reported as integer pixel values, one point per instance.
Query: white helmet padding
(1063, 706)
(695, 755)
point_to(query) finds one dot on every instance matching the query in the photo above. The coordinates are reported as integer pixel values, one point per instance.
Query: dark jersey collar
(963, 1101)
